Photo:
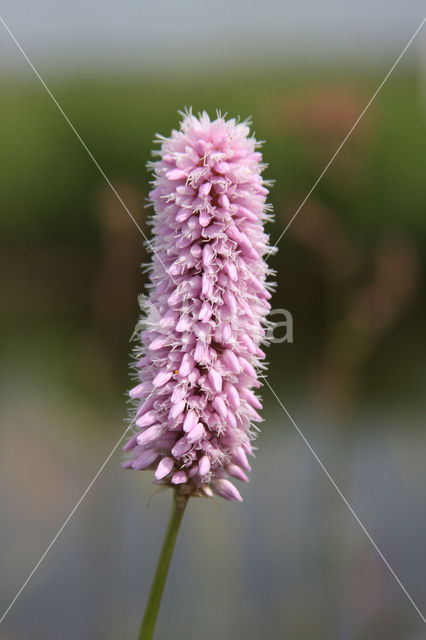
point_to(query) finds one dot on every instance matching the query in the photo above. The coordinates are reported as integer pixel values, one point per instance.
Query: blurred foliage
(47, 181)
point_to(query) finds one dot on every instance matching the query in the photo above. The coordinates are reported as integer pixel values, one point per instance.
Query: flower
(205, 314)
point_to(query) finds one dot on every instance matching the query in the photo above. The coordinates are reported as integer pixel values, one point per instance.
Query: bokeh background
(291, 561)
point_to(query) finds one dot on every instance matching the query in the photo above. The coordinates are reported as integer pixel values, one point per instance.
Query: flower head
(205, 314)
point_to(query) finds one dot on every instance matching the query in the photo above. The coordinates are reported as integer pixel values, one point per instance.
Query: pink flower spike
(205, 309)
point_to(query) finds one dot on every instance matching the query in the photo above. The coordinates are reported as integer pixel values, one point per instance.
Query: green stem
(157, 587)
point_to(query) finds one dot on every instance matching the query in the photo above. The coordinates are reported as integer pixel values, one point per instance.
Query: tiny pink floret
(204, 318)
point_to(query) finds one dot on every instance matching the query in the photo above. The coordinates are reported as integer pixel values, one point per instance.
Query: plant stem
(157, 587)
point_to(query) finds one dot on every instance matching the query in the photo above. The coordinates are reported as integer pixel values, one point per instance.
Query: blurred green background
(291, 561)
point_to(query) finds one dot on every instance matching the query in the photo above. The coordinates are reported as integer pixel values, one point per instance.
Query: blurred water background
(291, 561)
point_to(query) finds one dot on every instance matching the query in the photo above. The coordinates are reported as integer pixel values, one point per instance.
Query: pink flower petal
(226, 489)
(179, 477)
(164, 467)
(204, 466)
(161, 378)
(215, 379)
